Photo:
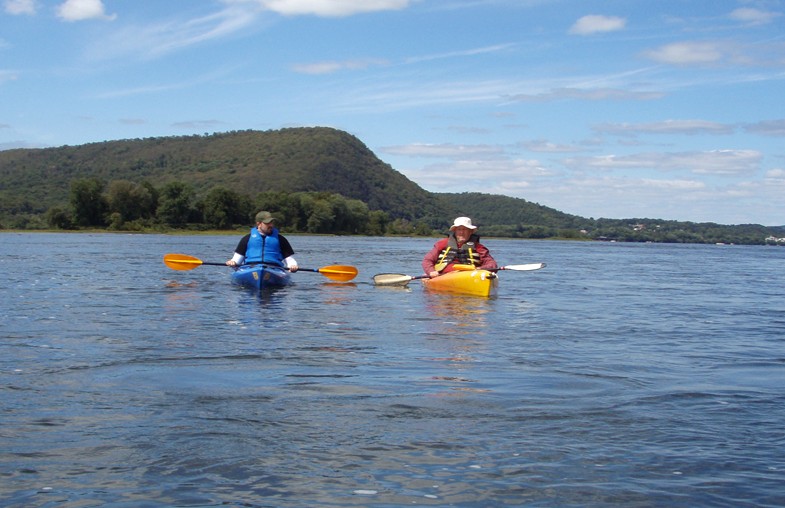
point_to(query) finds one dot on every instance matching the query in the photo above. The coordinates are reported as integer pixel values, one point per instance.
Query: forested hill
(320, 175)
(288, 160)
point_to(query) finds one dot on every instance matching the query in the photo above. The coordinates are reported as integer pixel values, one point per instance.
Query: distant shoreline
(224, 232)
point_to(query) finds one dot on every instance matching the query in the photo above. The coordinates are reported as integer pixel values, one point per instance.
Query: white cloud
(776, 175)
(329, 67)
(686, 53)
(483, 175)
(7, 76)
(592, 24)
(714, 162)
(460, 53)
(198, 124)
(751, 16)
(443, 150)
(666, 127)
(767, 127)
(331, 8)
(629, 197)
(158, 39)
(11, 145)
(586, 94)
(79, 10)
(544, 146)
(335, 66)
(489, 169)
(770, 53)
(624, 184)
(17, 7)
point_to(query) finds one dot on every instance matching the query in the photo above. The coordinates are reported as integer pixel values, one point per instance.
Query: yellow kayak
(465, 282)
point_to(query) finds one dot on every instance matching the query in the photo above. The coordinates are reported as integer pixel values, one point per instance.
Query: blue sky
(619, 109)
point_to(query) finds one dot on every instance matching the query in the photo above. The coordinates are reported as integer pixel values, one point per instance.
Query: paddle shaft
(400, 279)
(255, 264)
(341, 273)
(299, 269)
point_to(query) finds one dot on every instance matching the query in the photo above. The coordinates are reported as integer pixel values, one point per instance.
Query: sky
(667, 109)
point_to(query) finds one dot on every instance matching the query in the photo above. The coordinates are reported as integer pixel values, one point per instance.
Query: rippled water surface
(621, 374)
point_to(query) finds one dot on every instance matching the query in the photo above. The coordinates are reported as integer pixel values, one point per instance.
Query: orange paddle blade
(342, 273)
(181, 261)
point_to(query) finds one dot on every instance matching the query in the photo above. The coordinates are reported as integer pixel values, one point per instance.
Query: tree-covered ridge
(315, 178)
(290, 160)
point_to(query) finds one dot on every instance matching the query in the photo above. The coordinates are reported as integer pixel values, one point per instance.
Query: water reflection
(338, 293)
(457, 334)
(458, 314)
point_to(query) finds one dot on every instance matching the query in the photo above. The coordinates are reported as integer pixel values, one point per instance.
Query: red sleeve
(432, 256)
(486, 260)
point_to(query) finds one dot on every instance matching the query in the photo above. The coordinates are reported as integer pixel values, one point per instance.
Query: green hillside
(288, 160)
(317, 173)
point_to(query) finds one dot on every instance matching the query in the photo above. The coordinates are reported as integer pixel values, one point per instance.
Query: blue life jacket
(264, 248)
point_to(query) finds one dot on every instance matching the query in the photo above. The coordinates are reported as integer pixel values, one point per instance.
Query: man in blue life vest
(264, 245)
(462, 246)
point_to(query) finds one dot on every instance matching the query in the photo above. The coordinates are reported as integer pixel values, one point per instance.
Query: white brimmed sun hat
(463, 221)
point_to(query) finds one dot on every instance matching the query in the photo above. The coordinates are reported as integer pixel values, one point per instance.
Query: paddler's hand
(293, 268)
(433, 274)
(231, 262)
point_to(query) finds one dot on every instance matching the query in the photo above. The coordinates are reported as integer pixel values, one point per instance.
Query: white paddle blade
(392, 279)
(524, 268)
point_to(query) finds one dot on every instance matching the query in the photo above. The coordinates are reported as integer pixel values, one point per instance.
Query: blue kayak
(261, 276)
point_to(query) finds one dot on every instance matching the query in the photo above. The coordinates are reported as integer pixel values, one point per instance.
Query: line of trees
(123, 205)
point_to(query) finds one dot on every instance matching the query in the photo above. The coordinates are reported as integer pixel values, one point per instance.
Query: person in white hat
(462, 246)
(264, 245)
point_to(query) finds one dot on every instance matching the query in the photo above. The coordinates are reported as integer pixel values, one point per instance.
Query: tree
(88, 203)
(321, 217)
(58, 218)
(223, 208)
(175, 205)
(358, 216)
(150, 212)
(377, 223)
(130, 201)
(422, 229)
(284, 206)
(400, 227)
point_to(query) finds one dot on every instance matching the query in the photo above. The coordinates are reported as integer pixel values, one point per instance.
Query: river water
(621, 374)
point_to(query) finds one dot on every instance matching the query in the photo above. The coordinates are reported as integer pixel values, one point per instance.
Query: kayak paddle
(522, 268)
(400, 279)
(341, 273)
(395, 279)
(185, 262)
